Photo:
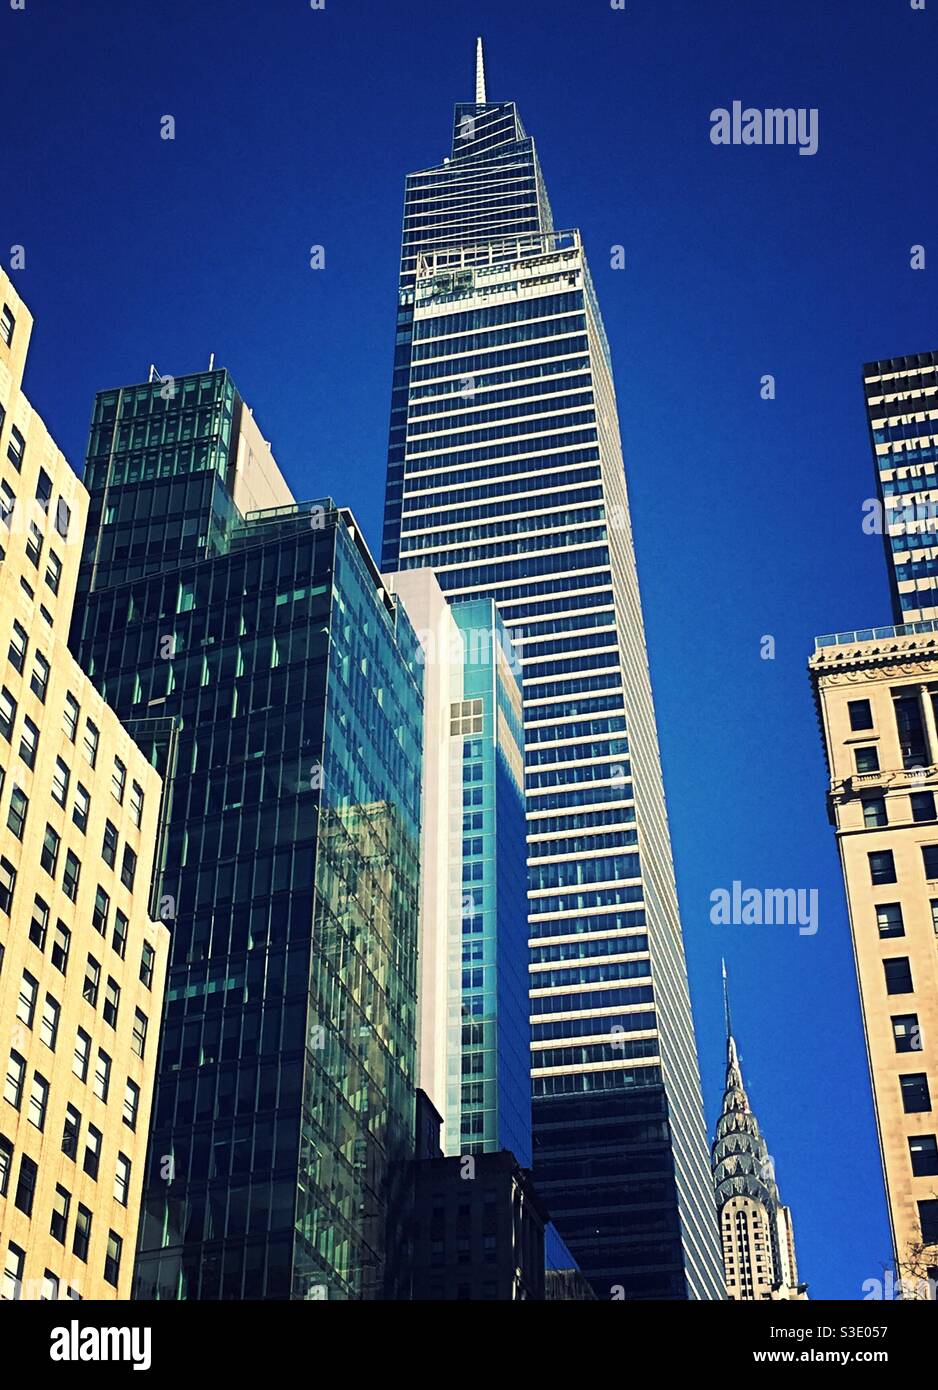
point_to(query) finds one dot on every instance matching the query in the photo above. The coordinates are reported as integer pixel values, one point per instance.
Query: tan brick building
(876, 692)
(82, 966)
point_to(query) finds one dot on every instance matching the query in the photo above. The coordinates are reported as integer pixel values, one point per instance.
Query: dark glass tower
(289, 871)
(505, 476)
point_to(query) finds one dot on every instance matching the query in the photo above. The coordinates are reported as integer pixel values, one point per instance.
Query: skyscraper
(902, 412)
(756, 1227)
(505, 476)
(82, 964)
(285, 1099)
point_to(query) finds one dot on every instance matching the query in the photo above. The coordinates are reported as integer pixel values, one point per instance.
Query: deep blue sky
(296, 127)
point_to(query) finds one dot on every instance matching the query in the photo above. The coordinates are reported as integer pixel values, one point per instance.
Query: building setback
(82, 965)
(505, 476)
(287, 1068)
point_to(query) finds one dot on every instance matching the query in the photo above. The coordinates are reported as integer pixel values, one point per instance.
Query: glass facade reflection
(488, 1099)
(505, 476)
(289, 870)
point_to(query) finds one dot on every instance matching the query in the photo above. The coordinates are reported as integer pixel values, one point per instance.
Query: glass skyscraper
(289, 873)
(505, 475)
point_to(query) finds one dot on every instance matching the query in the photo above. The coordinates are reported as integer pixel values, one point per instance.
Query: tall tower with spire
(756, 1228)
(506, 478)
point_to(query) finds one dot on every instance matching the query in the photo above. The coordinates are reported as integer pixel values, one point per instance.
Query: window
(102, 1076)
(70, 716)
(136, 803)
(29, 742)
(39, 922)
(930, 860)
(60, 780)
(49, 1027)
(101, 910)
(128, 867)
(7, 885)
(39, 680)
(61, 943)
(92, 982)
(906, 1033)
(923, 1151)
(92, 1159)
(38, 1101)
(118, 781)
(874, 811)
(866, 759)
(112, 1260)
(928, 1218)
(139, 1040)
(44, 489)
(90, 742)
(16, 448)
(49, 857)
(81, 808)
(71, 1132)
(16, 655)
(12, 1286)
(16, 1078)
(26, 1004)
(33, 544)
(60, 1205)
(6, 1164)
(26, 1185)
(882, 866)
(7, 325)
(122, 1180)
(50, 1287)
(7, 714)
(82, 1055)
(915, 1096)
(466, 717)
(112, 999)
(17, 810)
(147, 958)
(7, 503)
(131, 1104)
(121, 927)
(898, 973)
(71, 876)
(861, 716)
(109, 846)
(889, 919)
(911, 731)
(63, 517)
(923, 806)
(82, 1236)
(53, 571)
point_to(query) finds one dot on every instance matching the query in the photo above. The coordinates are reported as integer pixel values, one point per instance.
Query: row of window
(15, 1082)
(12, 1284)
(883, 865)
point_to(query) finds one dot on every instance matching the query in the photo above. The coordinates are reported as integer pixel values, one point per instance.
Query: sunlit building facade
(82, 962)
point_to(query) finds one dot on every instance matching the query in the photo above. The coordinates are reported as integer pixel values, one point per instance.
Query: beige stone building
(82, 966)
(876, 693)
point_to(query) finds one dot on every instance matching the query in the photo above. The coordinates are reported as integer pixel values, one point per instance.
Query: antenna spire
(726, 1004)
(480, 74)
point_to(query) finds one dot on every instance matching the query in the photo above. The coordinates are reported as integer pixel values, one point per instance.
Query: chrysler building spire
(756, 1228)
